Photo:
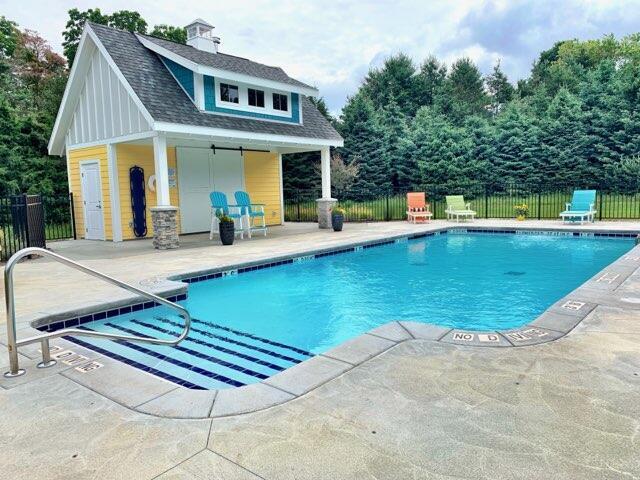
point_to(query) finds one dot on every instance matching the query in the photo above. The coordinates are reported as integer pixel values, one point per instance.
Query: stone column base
(165, 227)
(324, 211)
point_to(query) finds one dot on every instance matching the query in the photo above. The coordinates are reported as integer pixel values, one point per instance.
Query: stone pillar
(324, 211)
(326, 203)
(165, 227)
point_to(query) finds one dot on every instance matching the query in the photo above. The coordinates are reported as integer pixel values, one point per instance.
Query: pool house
(151, 127)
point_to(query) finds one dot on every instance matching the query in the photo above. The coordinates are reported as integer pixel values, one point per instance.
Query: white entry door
(92, 200)
(200, 172)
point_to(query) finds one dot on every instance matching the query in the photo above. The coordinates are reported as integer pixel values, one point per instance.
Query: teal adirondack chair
(219, 204)
(581, 208)
(251, 211)
(457, 208)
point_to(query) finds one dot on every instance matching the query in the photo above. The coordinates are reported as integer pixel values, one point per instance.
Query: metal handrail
(13, 343)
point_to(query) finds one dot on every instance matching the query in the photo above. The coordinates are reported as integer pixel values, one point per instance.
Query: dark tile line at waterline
(228, 351)
(234, 342)
(179, 363)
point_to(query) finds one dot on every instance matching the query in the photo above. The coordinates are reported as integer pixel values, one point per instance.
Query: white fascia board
(226, 74)
(70, 97)
(245, 136)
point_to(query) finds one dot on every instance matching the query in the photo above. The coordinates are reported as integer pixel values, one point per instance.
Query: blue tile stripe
(213, 346)
(253, 337)
(133, 363)
(234, 342)
(160, 356)
(194, 353)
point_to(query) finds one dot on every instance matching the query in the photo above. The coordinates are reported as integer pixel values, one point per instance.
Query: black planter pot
(227, 233)
(337, 221)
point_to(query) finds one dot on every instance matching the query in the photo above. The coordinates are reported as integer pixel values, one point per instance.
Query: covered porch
(175, 174)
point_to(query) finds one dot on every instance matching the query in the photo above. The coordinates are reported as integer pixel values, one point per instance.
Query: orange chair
(417, 208)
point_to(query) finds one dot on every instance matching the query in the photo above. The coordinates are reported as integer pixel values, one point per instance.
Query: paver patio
(421, 409)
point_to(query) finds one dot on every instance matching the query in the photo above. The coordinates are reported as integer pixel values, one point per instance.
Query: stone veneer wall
(165, 227)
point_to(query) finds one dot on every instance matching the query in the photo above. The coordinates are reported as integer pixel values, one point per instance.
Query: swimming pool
(253, 325)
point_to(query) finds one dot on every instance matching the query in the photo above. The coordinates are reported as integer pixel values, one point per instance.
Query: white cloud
(333, 44)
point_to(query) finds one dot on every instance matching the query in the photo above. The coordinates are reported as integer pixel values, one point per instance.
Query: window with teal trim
(210, 105)
(182, 74)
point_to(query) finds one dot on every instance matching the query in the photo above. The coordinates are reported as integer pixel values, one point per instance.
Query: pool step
(212, 356)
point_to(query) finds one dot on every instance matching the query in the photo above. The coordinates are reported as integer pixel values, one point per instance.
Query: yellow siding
(141, 155)
(262, 181)
(74, 157)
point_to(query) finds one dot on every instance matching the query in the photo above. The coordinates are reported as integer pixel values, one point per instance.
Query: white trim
(216, 72)
(241, 135)
(114, 190)
(198, 90)
(281, 189)
(84, 210)
(284, 120)
(192, 100)
(123, 138)
(161, 170)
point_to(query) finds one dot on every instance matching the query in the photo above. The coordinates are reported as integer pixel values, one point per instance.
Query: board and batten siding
(74, 159)
(262, 181)
(105, 109)
(127, 156)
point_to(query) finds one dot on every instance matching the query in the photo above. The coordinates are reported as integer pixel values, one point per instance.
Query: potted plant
(226, 228)
(337, 218)
(521, 211)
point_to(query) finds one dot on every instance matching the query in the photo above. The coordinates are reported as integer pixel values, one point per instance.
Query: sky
(333, 44)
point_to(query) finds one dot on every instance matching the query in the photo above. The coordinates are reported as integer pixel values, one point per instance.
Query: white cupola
(199, 35)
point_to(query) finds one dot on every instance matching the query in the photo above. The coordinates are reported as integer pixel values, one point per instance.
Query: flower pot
(337, 221)
(227, 232)
(520, 218)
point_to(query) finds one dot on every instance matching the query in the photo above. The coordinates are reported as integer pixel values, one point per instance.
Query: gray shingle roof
(227, 62)
(166, 101)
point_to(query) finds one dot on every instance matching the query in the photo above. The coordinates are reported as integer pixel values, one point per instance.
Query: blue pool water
(250, 326)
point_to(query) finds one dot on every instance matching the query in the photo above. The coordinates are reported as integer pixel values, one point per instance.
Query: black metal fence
(489, 201)
(31, 220)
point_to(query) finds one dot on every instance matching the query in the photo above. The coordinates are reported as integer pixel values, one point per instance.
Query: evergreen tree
(363, 144)
(402, 169)
(517, 149)
(429, 82)
(463, 94)
(500, 90)
(394, 79)
(563, 142)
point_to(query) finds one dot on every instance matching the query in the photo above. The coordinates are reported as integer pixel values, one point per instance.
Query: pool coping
(149, 394)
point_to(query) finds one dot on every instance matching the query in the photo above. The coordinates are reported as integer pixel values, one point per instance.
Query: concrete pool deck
(416, 409)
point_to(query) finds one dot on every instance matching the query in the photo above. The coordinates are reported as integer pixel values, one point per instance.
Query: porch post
(163, 215)
(326, 203)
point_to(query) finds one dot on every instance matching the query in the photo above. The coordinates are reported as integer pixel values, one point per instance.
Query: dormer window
(256, 97)
(229, 93)
(280, 102)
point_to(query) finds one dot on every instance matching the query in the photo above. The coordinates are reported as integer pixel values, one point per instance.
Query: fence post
(486, 202)
(73, 216)
(539, 204)
(386, 211)
(600, 207)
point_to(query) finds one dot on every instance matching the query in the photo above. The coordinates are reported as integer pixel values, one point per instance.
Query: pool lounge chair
(417, 208)
(250, 211)
(457, 208)
(219, 204)
(581, 208)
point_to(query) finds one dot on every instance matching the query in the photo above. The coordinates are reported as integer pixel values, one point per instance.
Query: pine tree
(394, 79)
(500, 90)
(429, 82)
(402, 168)
(463, 93)
(363, 144)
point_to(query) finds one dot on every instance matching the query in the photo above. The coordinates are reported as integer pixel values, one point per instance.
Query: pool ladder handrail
(13, 343)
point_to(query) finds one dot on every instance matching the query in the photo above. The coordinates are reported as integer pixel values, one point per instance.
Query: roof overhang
(89, 42)
(243, 136)
(227, 75)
